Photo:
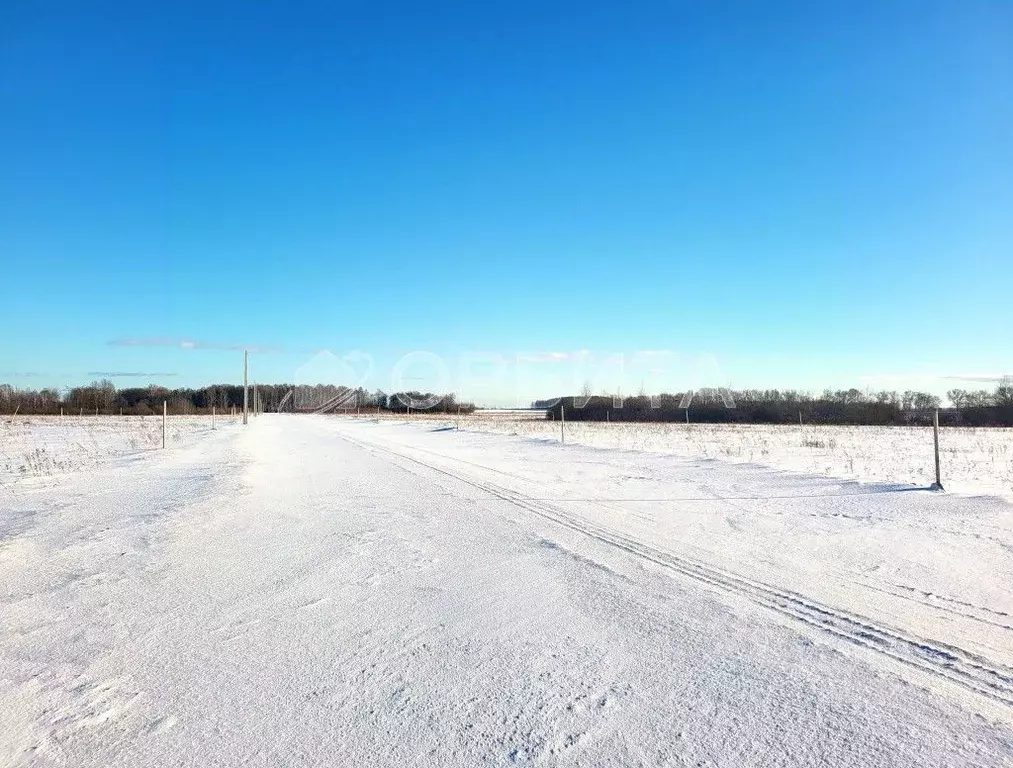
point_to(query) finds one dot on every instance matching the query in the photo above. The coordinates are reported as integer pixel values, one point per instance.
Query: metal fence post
(935, 439)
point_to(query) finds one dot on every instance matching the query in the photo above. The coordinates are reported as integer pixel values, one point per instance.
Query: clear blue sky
(810, 192)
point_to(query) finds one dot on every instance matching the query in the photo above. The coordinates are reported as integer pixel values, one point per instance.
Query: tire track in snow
(968, 670)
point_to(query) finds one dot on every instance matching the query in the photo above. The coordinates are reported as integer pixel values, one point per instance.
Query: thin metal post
(165, 410)
(246, 385)
(562, 423)
(935, 437)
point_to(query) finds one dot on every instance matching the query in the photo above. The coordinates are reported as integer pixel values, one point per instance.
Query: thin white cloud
(545, 357)
(994, 377)
(129, 374)
(191, 344)
(552, 357)
(900, 379)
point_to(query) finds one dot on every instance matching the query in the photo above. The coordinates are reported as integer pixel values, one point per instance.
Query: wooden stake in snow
(935, 436)
(165, 410)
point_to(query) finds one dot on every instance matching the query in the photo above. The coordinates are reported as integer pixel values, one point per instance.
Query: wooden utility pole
(246, 385)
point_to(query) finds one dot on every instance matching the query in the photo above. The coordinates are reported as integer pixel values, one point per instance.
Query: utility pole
(246, 385)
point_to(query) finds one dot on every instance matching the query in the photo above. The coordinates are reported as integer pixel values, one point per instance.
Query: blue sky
(810, 194)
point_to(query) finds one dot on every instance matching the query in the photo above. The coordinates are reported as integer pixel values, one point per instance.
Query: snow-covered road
(320, 591)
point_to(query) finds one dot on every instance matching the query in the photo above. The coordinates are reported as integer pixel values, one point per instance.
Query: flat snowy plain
(327, 591)
(974, 460)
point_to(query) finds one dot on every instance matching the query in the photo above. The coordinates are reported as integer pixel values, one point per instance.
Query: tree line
(103, 398)
(772, 406)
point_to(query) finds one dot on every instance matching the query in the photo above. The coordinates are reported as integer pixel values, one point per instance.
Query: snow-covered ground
(328, 591)
(972, 460)
(34, 448)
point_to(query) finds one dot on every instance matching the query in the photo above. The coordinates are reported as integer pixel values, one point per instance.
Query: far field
(974, 460)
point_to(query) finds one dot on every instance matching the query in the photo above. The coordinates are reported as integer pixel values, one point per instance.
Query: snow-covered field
(972, 460)
(325, 591)
(34, 448)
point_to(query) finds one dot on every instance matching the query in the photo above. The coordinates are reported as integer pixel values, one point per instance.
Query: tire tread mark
(969, 670)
